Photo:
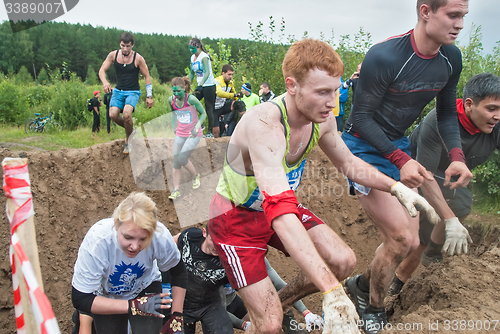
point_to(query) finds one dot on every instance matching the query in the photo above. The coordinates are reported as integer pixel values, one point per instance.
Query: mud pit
(72, 189)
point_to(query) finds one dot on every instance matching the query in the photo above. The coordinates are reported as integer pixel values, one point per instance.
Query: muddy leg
(299, 287)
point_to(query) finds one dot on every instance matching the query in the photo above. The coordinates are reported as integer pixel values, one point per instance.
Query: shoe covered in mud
(426, 259)
(374, 320)
(175, 194)
(395, 287)
(361, 299)
(196, 181)
(290, 325)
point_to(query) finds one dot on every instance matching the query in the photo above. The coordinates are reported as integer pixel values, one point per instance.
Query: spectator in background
(352, 82)
(265, 92)
(250, 99)
(96, 105)
(107, 100)
(237, 111)
(225, 96)
(342, 100)
(201, 66)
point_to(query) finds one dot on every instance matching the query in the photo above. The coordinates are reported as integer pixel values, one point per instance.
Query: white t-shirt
(199, 70)
(102, 268)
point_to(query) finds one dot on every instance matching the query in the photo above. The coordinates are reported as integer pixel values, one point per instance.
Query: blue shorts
(362, 149)
(122, 97)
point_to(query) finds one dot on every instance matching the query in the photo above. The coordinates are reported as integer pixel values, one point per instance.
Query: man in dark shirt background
(96, 105)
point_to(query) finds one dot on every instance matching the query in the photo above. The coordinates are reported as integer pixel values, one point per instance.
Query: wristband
(327, 292)
(398, 158)
(456, 154)
(306, 312)
(394, 185)
(149, 90)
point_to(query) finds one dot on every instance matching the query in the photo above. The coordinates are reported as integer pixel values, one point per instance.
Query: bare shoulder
(112, 54)
(139, 59)
(264, 118)
(261, 125)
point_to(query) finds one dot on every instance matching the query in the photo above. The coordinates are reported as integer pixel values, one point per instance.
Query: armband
(149, 90)
(456, 154)
(277, 205)
(398, 158)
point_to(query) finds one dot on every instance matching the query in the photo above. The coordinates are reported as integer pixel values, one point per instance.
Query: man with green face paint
(187, 128)
(201, 66)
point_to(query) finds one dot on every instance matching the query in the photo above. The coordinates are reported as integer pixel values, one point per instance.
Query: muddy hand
(340, 315)
(410, 200)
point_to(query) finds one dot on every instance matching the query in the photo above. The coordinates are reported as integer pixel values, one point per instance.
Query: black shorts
(459, 200)
(226, 109)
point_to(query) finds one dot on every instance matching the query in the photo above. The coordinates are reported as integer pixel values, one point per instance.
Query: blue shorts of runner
(214, 319)
(459, 200)
(241, 237)
(362, 149)
(122, 97)
(183, 147)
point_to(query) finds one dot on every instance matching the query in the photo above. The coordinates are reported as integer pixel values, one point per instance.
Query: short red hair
(308, 54)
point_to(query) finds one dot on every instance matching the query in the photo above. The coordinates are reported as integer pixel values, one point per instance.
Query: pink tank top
(187, 117)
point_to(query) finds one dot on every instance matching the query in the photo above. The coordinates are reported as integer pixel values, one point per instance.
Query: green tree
(43, 77)
(13, 104)
(23, 76)
(153, 72)
(91, 78)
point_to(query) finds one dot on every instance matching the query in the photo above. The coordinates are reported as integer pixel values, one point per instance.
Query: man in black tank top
(127, 65)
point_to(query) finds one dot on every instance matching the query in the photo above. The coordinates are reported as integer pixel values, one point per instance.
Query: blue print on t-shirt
(124, 277)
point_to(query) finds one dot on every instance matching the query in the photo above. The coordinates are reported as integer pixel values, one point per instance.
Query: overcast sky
(226, 18)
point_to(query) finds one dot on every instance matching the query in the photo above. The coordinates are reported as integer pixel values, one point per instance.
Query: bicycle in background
(42, 124)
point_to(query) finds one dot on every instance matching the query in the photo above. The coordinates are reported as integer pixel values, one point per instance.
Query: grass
(80, 138)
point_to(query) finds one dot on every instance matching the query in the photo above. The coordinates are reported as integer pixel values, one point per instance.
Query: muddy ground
(72, 189)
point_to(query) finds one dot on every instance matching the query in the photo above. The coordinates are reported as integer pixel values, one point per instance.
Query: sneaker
(196, 181)
(374, 322)
(395, 287)
(126, 148)
(426, 259)
(361, 299)
(290, 325)
(208, 135)
(175, 194)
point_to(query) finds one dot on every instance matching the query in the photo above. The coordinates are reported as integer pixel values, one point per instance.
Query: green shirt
(250, 101)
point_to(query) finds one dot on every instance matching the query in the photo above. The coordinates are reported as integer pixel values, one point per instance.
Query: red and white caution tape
(18, 307)
(16, 185)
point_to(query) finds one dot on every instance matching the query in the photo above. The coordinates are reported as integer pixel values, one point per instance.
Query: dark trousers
(108, 120)
(214, 319)
(207, 93)
(230, 127)
(96, 126)
(340, 123)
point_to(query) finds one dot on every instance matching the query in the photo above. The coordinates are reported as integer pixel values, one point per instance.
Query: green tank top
(243, 190)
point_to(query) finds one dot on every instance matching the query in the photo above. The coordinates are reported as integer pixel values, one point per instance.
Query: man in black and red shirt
(399, 77)
(478, 115)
